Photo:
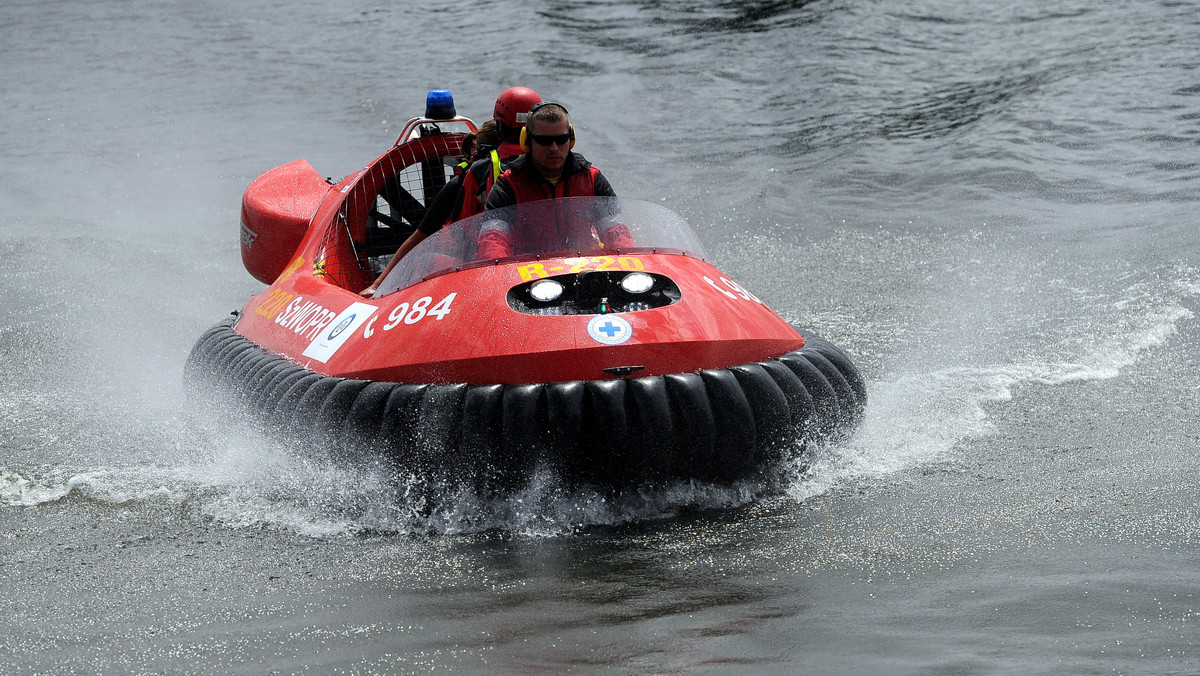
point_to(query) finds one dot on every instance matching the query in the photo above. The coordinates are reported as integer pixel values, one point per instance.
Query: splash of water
(916, 418)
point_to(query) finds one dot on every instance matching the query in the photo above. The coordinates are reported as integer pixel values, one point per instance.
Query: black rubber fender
(243, 368)
(842, 362)
(259, 391)
(692, 411)
(713, 424)
(799, 400)
(436, 439)
(769, 406)
(651, 427)
(207, 362)
(736, 435)
(482, 423)
(334, 410)
(400, 423)
(299, 417)
(825, 400)
(605, 431)
(280, 387)
(225, 351)
(564, 426)
(846, 399)
(522, 424)
(286, 406)
(361, 432)
(209, 343)
(254, 372)
(240, 361)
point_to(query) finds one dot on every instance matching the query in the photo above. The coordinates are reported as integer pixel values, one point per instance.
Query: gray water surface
(992, 209)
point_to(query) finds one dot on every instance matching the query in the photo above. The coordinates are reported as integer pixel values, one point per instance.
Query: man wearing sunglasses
(548, 170)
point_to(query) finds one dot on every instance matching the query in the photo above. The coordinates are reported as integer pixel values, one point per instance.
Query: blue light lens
(439, 104)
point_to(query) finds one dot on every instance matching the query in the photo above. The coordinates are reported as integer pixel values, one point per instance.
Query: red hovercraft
(608, 367)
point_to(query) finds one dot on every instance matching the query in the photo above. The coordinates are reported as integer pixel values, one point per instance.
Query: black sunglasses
(547, 139)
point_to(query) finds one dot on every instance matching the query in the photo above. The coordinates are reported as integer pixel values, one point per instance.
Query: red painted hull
(476, 337)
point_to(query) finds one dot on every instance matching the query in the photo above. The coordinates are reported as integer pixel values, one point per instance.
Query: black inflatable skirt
(714, 425)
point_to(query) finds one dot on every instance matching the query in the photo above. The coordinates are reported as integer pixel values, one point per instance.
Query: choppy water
(993, 209)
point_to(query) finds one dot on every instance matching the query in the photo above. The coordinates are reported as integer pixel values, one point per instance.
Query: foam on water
(914, 419)
(917, 418)
(321, 499)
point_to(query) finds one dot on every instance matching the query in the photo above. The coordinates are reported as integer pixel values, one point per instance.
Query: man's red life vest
(521, 184)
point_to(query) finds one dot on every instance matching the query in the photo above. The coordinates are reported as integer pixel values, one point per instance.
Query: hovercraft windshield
(560, 228)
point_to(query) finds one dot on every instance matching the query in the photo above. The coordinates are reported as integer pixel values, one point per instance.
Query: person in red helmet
(548, 170)
(463, 195)
(510, 111)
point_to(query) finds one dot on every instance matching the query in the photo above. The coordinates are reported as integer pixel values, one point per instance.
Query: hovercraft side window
(384, 206)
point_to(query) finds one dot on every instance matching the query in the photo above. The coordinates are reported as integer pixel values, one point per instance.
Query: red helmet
(512, 105)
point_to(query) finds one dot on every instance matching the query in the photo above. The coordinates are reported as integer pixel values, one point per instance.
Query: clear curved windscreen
(571, 226)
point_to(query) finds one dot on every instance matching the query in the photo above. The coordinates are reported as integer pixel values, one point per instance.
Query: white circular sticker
(609, 329)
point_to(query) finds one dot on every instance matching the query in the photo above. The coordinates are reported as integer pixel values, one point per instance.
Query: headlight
(637, 282)
(545, 290)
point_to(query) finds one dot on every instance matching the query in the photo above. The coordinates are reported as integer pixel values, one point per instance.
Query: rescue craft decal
(534, 271)
(305, 318)
(277, 298)
(733, 290)
(290, 270)
(418, 311)
(341, 328)
(275, 301)
(411, 314)
(609, 329)
(248, 237)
